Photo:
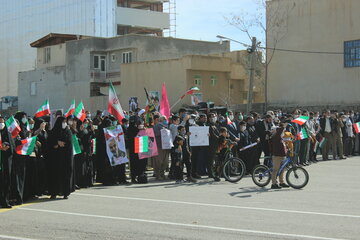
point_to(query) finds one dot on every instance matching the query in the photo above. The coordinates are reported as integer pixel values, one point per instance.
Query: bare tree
(271, 18)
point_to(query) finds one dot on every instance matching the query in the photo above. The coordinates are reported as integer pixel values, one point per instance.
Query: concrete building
(82, 69)
(322, 67)
(22, 22)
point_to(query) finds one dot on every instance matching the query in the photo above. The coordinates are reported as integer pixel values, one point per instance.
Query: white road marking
(14, 238)
(183, 224)
(220, 205)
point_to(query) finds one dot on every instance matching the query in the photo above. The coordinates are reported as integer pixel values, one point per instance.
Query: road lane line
(2, 210)
(15, 238)
(183, 224)
(220, 206)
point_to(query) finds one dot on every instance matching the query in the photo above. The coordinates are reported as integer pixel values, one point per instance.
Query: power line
(284, 50)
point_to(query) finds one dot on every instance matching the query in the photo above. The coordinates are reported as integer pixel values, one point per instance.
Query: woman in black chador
(61, 159)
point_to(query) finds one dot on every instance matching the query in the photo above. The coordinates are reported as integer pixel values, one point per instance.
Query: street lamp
(251, 50)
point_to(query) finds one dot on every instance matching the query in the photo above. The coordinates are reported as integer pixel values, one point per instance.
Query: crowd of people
(54, 170)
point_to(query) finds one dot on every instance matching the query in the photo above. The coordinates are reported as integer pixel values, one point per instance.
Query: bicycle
(233, 168)
(296, 177)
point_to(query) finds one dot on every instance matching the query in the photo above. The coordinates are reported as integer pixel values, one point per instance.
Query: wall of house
(313, 79)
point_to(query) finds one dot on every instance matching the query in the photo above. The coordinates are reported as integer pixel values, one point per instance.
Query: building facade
(22, 22)
(82, 69)
(317, 61)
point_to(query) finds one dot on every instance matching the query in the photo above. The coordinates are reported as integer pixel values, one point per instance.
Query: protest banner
(199, 136)
(115, 145)
(166, 139)
(152, 148)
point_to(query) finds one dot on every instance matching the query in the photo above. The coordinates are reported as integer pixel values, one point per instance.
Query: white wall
(142, 18)
(297, 79)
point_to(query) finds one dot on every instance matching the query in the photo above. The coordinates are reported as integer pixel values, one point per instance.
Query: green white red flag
(322, 142)
(93, 146)
(114, 107)
(27, 146)
(80, 112)
(71, 109)
(300, 120)
(43, 110)
(13, 127)
(76, 145)
(191, 91)
(302, 134)
(316, 146)
(141, 144)
(357, 127)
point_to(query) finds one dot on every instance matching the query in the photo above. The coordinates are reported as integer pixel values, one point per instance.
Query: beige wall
(151, 75)
(57, 56)
(298, 79)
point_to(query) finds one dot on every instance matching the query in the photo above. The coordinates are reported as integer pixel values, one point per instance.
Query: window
(127, 57)
(33, 89)
(213, 80)
(47, 55)
(113, 57)
(96, 61)
(352, 54)
(197, 80)
(102, 63)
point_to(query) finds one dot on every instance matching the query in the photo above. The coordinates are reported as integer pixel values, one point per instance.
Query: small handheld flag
(71, 110)
(357, 127)
(43, 110)
(13, 127)
(302, 134)
(80, 112)
(300, 120)
(141, 144)
(27, 146)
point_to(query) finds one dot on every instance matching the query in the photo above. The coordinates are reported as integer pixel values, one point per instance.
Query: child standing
(177, 158)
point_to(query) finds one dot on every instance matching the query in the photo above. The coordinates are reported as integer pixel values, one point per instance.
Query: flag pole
(175, 103)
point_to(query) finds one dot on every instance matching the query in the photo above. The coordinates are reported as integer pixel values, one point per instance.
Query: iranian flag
(43, 110)
(357, 127)
(80, 112)
(302, 134)
(76, 145)
(228, 121)
(322, 143)
(141, 144)
(13, 127)
(190, 91)
(93, 146)
(316, 146)
(300, 120)
(27, 146)
(114, 107)
(71, 110)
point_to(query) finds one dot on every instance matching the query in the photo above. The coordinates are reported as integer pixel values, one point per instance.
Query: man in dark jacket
(278, 155)
(328, 131)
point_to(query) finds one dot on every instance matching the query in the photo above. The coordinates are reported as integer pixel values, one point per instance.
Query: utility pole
(252, 75)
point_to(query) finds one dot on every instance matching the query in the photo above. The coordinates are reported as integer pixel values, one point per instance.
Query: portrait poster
(152, 147)
(133, 104)
(115, 145)
(166, 139)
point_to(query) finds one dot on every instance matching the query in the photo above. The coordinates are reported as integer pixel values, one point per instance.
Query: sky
(205, 19)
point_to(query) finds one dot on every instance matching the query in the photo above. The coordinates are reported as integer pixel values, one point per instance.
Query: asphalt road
(328, 208)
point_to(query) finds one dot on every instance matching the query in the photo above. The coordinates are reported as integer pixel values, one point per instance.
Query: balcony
(142, 18)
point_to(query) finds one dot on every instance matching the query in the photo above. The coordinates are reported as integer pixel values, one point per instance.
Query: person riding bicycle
(224, 145)
(279, 152)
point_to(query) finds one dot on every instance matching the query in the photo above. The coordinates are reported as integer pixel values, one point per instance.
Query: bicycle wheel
(297, 177)
(261, 175)
(234, 169)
